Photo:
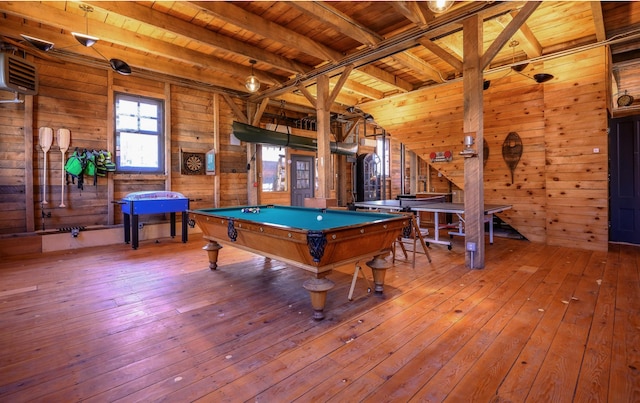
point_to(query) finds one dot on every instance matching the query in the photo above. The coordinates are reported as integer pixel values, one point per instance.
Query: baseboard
(44, 242)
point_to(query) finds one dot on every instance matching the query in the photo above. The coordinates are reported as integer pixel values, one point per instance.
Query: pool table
(313, 239)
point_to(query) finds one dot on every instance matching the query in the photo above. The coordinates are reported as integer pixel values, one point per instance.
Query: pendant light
(37, 43)
(538, 78)
(252, 83)
(86, 40)
(439, 6)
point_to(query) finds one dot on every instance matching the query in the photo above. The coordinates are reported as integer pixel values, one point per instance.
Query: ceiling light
(252, 83)
(85, 40)
(439, 6)
(39, 44)
(120, 66)
(518, 68)
(542, 77)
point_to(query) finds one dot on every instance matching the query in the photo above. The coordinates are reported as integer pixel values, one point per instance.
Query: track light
(85, 40)
(252, 83)
(37, 43)
(518, 68)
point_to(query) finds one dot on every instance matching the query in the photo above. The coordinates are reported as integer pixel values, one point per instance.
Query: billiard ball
(319, 217)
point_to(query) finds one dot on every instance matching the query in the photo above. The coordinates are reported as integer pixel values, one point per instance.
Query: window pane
(150, 111)
(129, 123)
(274, 171)
(138, 150)
(148, 125)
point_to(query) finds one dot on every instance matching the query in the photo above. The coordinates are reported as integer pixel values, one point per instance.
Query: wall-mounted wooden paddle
(63, 138)
(45, 135)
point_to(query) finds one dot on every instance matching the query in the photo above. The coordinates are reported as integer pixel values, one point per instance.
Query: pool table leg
(379, 266)
(212, 249)
(318, 288)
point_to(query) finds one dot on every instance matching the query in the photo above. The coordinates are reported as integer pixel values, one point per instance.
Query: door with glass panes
(302, 179)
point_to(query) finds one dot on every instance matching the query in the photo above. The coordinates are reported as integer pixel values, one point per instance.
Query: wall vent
(18, 75)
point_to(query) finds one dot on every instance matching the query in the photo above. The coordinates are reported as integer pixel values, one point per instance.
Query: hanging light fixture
(86, 40)
(37, 43)
(252, 83)
(439, 6)
(518, 68)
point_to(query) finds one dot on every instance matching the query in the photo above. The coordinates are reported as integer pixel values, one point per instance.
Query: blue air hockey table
(153, 202)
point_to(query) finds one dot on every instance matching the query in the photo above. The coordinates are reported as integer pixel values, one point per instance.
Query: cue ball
(319, 218)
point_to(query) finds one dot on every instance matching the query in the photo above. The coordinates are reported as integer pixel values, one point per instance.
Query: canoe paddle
(45, 138)
(63, 138)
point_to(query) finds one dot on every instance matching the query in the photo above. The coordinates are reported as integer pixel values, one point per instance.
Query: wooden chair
(411, 235)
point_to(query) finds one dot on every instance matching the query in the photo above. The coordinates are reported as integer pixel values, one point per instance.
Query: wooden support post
(324, 140)
(473, 123)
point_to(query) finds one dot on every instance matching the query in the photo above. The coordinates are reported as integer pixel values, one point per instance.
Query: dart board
(192, 163)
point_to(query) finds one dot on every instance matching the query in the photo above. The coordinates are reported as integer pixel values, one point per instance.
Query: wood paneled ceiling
(392, 46)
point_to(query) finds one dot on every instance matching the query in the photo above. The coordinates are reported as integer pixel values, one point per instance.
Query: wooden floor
(538, 324)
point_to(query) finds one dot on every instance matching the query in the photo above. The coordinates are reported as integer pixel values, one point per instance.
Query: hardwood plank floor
(538, 324)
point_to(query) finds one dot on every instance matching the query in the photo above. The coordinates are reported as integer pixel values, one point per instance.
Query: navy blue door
(624, 184)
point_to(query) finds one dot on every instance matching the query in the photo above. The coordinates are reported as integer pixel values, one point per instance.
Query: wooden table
(458, 209)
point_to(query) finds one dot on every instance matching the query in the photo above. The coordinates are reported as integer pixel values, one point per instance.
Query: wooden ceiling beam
(237, 16)
(182, 28)
(338, 20)
(450, 59)
(598, 21)
(412, 11)
(362, 90)
(504, 36)
(346, 24)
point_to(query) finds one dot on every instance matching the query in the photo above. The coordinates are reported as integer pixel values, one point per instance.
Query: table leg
(212, 249)
(490, 229)
(318, 288)
(185, 226)
(172, 225)
(134, 231)
(379, 266)
(127, 228)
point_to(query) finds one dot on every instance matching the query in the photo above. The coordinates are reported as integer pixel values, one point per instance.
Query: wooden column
(28, 122)
(216, 147)
(324, 146)
(473, 126)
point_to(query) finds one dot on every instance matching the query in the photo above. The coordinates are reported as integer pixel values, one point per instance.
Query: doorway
(302, 178)
(624, 182)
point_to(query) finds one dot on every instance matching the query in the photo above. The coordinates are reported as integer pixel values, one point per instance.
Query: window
(139, 134)
(383, 151)
(274, 169)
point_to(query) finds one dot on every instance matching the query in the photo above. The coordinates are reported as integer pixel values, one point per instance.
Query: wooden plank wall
(576, 172)
(13, 189)
(73, 97)
(569, 112)
(77, 97)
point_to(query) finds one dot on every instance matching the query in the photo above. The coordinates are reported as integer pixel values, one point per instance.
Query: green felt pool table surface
(303, 218)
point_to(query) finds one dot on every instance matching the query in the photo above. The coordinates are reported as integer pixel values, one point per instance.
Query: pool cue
(63, 138)
(46, 139)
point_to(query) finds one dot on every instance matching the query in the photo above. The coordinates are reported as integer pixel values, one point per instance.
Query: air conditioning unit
(18, 75)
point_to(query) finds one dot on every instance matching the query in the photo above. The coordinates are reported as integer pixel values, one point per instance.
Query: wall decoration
(192, 163)
(441, 156)
(485, 152)
(512, 151)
